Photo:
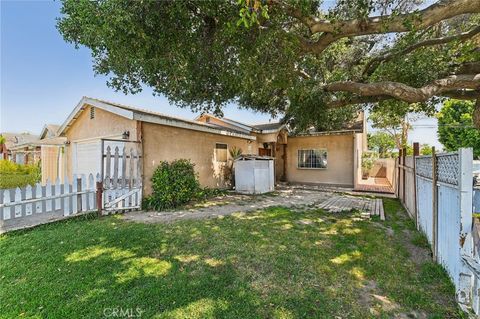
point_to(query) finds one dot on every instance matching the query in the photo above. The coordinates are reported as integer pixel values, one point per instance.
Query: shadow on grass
(273, 263)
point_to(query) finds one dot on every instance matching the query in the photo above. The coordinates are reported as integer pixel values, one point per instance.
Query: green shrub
(17, 175)
(173, 184)
(17, 180)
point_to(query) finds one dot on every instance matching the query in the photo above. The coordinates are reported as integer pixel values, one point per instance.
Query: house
(46, 148)
(17, 148)
(313, 157)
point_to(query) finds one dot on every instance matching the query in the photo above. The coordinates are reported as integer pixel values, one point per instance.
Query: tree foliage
(392, 117)
(455, 126)
(299, 59)
(381, 142)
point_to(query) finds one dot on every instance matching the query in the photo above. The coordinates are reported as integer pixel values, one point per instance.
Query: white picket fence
(30, 206)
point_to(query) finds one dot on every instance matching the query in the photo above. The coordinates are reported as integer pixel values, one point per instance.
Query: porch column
(284, 175)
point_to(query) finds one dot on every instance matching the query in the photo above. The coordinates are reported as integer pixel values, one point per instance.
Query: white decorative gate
(121, 177)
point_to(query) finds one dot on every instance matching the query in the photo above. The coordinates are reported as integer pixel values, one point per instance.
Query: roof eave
(186, 125)
(338, 132)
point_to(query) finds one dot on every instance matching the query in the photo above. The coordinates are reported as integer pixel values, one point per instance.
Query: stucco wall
(163, 143)
(383, 167)
(340, 166)
(50, 168)
(104, 125)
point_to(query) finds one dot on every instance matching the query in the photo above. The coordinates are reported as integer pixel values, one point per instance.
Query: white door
(87, 158)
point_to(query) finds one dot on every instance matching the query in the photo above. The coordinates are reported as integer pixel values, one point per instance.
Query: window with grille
(314, 158)
(221, 152)
(92, 113)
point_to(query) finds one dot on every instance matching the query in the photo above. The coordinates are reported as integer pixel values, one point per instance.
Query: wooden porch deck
(367, 206)
(375, 185)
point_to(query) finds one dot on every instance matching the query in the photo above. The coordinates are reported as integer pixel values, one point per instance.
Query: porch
(375, 185)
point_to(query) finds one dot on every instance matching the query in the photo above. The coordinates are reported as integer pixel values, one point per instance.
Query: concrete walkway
(286, 197)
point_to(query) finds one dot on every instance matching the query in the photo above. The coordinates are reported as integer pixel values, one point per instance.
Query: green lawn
(272, 264)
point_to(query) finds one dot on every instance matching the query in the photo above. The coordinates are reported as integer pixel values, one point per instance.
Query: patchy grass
(274, 263)
(420, 240)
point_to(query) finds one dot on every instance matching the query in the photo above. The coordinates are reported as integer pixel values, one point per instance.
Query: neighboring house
(17, 148)
(47, 148)
(315, 157)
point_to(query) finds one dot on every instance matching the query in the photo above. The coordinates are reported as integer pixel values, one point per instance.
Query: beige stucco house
(314, 157)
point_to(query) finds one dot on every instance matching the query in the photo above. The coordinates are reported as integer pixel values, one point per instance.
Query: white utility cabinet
(254, 174)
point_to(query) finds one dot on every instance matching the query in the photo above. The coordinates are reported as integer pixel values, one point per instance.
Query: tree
(393, 118)
(296, 58)
(381, 142)
(425, 149)
(455, 126)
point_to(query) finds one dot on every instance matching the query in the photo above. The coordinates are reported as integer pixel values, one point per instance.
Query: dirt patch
(371, 298)
(419, 255)
(388, 230)
(231, 204)
(377, 303)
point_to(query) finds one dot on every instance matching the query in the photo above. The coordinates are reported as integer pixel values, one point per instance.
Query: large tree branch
(454, 94)
(404, 92)
(333, 31)
(372, 64)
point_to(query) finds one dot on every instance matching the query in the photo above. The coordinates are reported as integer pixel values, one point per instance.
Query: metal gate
(121, 175)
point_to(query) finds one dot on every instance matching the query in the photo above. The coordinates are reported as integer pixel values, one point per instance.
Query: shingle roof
(147, 116)
(14, 139)
(145, 111)
(53, 128)
(268, 126)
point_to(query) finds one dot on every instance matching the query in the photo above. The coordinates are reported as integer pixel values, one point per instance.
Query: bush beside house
(175, 184)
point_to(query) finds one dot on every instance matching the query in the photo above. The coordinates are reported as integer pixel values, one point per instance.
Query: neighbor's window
(92, 113)
(221, 152)
(312, 158)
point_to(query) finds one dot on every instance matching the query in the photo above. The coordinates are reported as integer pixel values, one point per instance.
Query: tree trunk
(476, 114)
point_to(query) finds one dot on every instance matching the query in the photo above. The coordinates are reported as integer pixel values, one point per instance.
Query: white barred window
(316, 158)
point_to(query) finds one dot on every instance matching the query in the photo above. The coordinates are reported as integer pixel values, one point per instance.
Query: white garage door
(86, 158)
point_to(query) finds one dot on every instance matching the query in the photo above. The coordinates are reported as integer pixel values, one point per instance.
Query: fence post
(466, 280)
(79, 195)
(416, 152)
(99, 197)
(434, 205)
(398, 173)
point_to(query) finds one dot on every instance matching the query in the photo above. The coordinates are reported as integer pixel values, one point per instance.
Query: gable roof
(52, 141)
(15, 139)
(52, 128)
(144, 115)
(257, 128)
(269, 127)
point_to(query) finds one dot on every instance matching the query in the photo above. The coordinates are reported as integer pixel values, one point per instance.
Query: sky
(42, 77)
